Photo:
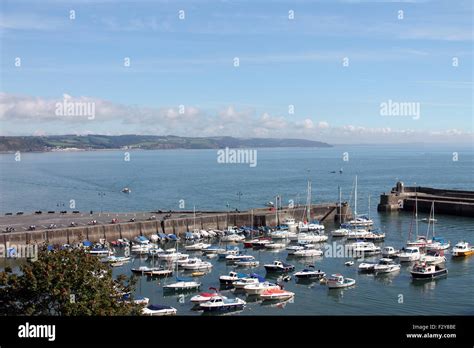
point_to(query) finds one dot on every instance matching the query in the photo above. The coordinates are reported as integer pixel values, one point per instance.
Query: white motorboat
(433, 257)
(182, 284)
(409, 254)
(279, 266)
(141, 248)
(462, 249)
(194, 265)
(279, 234)
(231, 277)
(143, 269)
(232, 238)
(204, 297)
(308, 252)
(366, 267)
(229, 251)
(360, 248)
(424, 271)
(294, 248)
(243, 282)
(247, 263)
(275, 246)
(349, 263)
(159, 310)
(308, 273)
(221, 303)
(389, 251)
(290, 222)
(311, 238)
(213, 250)
(259, 288)
(234, 258)
(276, 294)
(386, 265)
(340, 232)
(197, 246)
(337, 281)
(186, 260)
(171, 255)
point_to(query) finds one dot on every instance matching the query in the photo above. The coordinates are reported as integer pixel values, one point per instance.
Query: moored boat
(159, 310)
(276, 294)
(462, 249)
(337, 281)
(425, 271)
(221, 303)
(278, 266)
(409, 254)
(231, 277)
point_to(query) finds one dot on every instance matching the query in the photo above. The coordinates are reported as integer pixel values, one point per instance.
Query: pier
(147, 223)
(451, 202)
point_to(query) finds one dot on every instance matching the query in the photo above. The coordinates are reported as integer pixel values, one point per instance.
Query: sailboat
(307, 225)
(420, 241)
(359, 220)
(436, 243)
(182, 284)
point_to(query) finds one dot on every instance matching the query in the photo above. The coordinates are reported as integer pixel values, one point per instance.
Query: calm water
(160, 179)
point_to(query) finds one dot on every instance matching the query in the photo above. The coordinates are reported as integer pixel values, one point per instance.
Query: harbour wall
(216, 220)
(450, 202)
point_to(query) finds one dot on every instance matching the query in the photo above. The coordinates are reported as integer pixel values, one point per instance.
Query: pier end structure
(450, 202)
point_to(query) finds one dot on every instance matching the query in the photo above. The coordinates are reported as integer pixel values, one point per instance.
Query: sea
(188, 179)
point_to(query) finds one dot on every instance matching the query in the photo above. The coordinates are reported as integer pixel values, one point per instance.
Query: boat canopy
(162, 235)
(87, 243)
(172, 237)
(259, 277)
(155, 307)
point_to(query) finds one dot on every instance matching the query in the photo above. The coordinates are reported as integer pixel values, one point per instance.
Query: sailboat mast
(355, 198)
(416, 213)
(369, 208)
(308, 202)
(340, 206)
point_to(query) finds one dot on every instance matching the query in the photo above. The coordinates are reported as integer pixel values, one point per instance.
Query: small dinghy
(337, 281)
(349, 263)
(159, 310)
(279, 266)
(221, 303)
(423, 270)
(276, 294)
(198, 274)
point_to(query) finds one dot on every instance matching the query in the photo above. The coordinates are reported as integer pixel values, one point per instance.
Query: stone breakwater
(178, 223)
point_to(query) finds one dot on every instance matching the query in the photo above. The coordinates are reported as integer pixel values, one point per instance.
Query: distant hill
(147, 142)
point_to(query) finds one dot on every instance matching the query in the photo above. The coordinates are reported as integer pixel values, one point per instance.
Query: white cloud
(26, 115)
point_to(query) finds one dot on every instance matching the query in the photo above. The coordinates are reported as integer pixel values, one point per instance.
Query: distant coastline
(73, 143)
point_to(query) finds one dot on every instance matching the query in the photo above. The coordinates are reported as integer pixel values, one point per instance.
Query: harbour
(382, 294)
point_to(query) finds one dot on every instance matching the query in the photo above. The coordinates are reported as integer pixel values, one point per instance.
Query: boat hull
(437, 274)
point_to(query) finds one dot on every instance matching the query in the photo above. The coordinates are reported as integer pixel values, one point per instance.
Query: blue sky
(282, 62)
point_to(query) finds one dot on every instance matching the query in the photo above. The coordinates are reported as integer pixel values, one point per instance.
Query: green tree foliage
(65, 282)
